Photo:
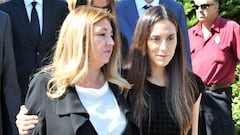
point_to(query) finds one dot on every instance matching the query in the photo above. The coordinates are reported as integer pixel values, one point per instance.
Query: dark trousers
(216, 112)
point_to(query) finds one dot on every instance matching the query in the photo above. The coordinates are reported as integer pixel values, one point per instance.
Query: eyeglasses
(203, 6)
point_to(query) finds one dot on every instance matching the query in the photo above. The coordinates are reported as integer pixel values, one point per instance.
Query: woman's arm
(196, 116)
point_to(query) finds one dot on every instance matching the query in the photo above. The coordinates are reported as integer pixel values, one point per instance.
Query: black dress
(161, 122)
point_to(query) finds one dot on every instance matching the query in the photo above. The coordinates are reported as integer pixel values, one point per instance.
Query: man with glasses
(215, 51)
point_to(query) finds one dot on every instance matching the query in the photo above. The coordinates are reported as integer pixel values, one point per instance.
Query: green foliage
(229, 9)
(189, 11)
(236, 100)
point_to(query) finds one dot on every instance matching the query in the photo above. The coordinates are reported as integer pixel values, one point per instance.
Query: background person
(10, 93)
(33, 45)
(215, 53)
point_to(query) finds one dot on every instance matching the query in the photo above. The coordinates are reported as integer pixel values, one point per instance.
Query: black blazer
(9, 88)
(30, 56)
(66, 115)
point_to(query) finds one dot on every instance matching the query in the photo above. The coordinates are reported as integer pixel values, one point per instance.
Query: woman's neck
(93, 79)
(159, 77)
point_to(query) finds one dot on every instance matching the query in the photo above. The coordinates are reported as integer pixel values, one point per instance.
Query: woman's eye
(155, 39)
(170, 38)
(101, 34)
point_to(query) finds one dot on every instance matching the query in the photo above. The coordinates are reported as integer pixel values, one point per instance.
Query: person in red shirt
(215, 52)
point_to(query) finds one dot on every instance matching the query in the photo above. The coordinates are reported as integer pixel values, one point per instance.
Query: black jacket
(67, 115)
(9, 89)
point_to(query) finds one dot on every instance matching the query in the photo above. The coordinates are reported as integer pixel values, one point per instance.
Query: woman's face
(162, 43)
(103, 43)
(100, 3)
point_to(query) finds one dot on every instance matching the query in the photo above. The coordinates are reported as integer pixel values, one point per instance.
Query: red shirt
(215, 59)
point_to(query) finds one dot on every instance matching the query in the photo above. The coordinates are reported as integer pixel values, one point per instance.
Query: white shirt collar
(141, 3)
(29, 2)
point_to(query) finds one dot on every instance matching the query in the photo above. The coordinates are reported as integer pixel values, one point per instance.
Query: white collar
(141, 3)
(29, 2)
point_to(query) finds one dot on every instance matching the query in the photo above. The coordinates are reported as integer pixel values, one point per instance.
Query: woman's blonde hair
(70, 62)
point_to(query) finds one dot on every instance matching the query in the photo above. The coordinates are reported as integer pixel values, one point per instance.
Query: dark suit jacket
(9, 89)
(127, 15)
(30, 56)
(66, 115)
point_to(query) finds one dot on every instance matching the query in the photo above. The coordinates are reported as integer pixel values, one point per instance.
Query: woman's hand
(25, 122)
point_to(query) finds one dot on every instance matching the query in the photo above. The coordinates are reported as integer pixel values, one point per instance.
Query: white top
(101, 105)
(39, 8)
(141, 3)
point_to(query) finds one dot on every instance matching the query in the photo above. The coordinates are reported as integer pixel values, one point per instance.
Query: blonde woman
(81, 92)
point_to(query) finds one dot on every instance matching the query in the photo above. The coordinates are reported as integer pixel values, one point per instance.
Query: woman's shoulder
(41, 75)
(200, 83)
(200, 87)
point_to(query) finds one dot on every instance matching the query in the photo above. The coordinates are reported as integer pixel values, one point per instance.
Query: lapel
(124, 106)
(21, 13)
(54, 12)
(131, 13)
(122, 102)
(46, 19)
(71, 105)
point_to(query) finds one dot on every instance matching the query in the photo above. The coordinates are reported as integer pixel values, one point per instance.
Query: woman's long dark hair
(181, 83)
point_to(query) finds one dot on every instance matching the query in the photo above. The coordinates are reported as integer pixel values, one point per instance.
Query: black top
(161, 122)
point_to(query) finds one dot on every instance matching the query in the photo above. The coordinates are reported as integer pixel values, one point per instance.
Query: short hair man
(215, 51)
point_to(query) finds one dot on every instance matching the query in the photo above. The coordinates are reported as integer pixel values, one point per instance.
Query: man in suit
(9, 89)
(128, 12)
(33, 52)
